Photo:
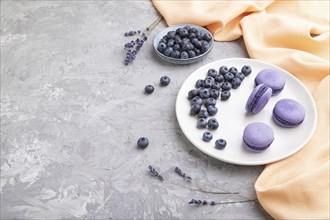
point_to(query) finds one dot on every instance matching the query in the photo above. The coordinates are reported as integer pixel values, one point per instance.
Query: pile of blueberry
(203, 98)
(184, 43)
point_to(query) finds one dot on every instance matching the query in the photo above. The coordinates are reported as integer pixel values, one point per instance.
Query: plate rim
(262, 162)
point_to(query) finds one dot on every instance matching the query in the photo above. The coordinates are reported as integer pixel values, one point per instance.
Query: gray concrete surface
(71, 114)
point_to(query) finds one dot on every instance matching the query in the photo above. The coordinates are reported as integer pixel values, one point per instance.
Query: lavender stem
(201, 190)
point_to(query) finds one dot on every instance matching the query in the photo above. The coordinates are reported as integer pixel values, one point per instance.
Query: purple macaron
(271, 78)
(258, 99)
(288, 113)
(258, 136)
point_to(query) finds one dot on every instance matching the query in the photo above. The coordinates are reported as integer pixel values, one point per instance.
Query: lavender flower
(132, 33)
(179, 172)
(134, 46)
(155, 173)
(198, 202)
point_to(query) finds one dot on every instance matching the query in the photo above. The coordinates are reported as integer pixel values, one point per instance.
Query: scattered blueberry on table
(143, 142)
(165, 80)
(149, 89)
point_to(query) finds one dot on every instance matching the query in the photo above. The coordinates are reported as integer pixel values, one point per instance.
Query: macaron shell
(258, 99)
(288, 113)
(272, 78)
(258, 136)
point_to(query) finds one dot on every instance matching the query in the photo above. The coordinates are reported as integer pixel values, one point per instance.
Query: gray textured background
(71, 114)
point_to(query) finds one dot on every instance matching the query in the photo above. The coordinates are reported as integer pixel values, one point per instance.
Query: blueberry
(212, 110)
(168, 51)
(197, 44)
(214, 93)
(199, 83)
(204, 93)
(225, 95)
(236, 82)
(208, 83)
(176, 47)
(201, 123)
(210, 78)
(223, 70)
(143, 142)
(174, 54)
(199, 35)
(177, 54)
(226, 86)
(192, 36)
(192, 93)
(177, 39)
(193, 30)
(196, 100)
(212, 72)
(184, 33)
(184, 55)
(205, 48)
(191, 53)
(177, 31)
(246, 70)
(187, 46)
(187, 27)
(207, 37)
(197, 51)
(207, 136)
(220, 144)
(233, 70)
(170, 34)
(216, 86)
(228, 76)
(219, 78)
(185, 41)
(210, 101)
(161, 47)
(165, 80)
(203, 114)
(194, 40)
(194, 110)
(149, 89)
(170, 43)
(163, 40)
(240, 76)
(212, 124)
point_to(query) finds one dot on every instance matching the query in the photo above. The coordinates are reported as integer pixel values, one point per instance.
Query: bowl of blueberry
(183, 43)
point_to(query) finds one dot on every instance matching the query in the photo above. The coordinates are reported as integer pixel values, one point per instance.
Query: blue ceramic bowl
(177, 60)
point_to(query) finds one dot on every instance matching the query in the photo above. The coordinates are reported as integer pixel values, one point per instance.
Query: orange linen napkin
(295, 36)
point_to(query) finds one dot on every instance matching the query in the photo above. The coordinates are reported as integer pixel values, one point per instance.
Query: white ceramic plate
(233, 118)
(176, 60)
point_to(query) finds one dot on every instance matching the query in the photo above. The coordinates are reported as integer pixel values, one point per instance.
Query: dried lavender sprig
(153, 172)
(228, 192)
(180, 173)
(131, 33)
(204, 202)
(138, 43)
(156, 174)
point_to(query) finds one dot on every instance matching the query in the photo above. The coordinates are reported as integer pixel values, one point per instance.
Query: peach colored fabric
(293, 35)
